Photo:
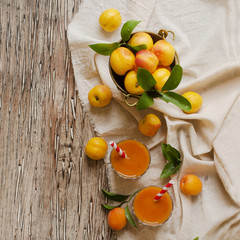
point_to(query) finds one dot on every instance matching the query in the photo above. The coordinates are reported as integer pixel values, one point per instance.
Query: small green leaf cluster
(121, 199)
(147, 82)
(174, 160)
(126, 31)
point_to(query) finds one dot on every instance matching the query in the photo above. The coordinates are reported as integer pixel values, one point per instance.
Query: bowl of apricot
(146, 50)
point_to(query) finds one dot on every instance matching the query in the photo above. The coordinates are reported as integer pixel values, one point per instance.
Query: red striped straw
(165, 189)
(119, 150)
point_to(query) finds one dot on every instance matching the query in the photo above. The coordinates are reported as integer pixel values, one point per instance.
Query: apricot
(190, 185)
(96, 148)
(131, 83)
(141, 38)
(195, 100)
(164, 51)
(146, 59)
(161, 75)
(117, 219)
(149, 125)
(110, 20)
(100, 96)
(167, 67)
(122, 60)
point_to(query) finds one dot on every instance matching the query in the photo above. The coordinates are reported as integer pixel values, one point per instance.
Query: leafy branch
(122, 199)
(174, 160)
(126, 31)
(147, 82)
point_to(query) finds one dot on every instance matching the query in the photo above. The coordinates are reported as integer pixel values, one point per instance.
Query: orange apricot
(117, 219)
(122, 60)
(141, 38)
(164, 51)
(146, 59)
(191, 185)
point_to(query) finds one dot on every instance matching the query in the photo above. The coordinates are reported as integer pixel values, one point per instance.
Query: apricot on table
(100, 96)
(146, 59)
(195, 100)
(161, 75)
(149, 125)
(164, 51)
(117, 219)
(131, 83)
(96, 148)
(140, 38)
(190, 185)
(110, 20)
(122, 60)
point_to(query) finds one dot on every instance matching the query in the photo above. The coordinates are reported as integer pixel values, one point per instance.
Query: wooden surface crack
(49, 189)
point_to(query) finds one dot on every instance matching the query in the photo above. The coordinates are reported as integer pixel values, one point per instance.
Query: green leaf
(164, 149)
(174, 152)
(169, 169)
(137, 48)
(127, 29)
(176, 99)
(154, 93)
(196, 238)
(112, 207)
(104, 48)
(174, 160)
(174, 78)
(114, 196)
(129, 217)
(177, 168)
(171, 153)
(145, 79)
(144, 101)
(108, 206)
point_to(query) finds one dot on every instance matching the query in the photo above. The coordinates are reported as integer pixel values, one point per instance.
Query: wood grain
(48, 188)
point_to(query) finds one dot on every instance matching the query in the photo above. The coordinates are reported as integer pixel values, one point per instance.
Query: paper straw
(119, 150)
(165, 189)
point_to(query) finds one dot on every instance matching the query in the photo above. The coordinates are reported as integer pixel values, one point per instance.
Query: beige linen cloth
(208, 44)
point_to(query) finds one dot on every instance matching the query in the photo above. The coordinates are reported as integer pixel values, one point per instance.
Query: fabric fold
(208, 44)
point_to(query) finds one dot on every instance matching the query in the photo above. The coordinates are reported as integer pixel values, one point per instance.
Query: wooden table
(48, 188)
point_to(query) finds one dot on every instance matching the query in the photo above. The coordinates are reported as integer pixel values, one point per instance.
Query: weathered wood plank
(48, 189)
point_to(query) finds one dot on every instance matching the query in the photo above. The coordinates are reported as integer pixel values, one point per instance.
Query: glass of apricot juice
(149, 211)
(135, 164)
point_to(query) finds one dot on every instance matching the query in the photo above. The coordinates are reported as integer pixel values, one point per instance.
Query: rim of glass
(125, 176)
(149, 224)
